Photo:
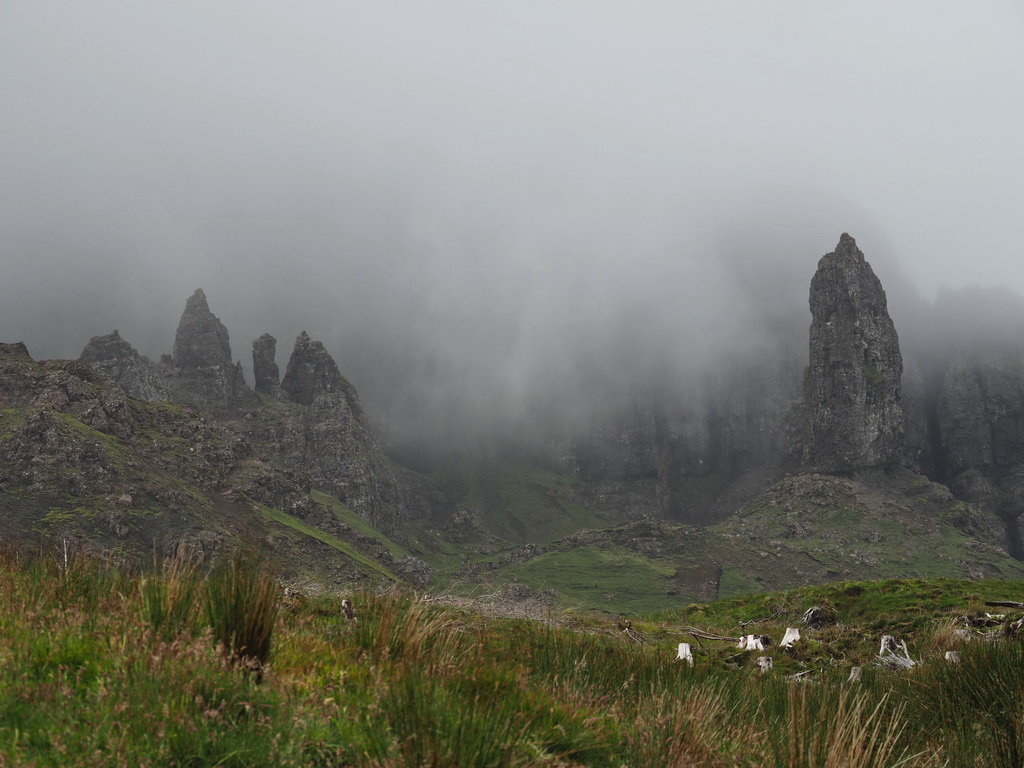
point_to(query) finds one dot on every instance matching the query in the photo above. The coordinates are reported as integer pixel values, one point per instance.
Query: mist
(495, 212)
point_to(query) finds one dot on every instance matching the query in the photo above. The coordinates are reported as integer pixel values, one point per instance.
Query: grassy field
(180, 668)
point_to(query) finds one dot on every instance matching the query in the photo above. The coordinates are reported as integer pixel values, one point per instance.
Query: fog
(484, 208)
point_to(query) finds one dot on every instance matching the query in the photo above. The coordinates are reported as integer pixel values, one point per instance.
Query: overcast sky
(478, 185)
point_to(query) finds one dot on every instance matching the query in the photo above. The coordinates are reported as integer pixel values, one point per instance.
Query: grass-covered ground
(102, 668)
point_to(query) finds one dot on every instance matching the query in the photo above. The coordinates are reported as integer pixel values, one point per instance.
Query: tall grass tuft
(169, 596)
(977, 705)
(835, 727)
(241, 608)
(392, 627)
(694, 727)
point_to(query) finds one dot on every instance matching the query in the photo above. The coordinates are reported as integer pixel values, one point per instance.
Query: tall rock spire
(206, 376)
(202, 339)
(339, 449)
(266, 374)
(852, 399)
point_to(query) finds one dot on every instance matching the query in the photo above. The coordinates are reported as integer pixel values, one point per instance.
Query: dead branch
(777, 614)
(1003, 604)
(700, 634)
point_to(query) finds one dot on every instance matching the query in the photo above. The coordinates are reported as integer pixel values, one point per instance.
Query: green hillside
(100, 667)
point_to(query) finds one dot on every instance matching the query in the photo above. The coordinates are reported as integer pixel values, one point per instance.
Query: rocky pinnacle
(265, 372)
(854, 409)
(206, 376)
(202, 339)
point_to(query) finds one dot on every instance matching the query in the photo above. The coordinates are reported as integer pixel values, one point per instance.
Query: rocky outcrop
(84, 465)
(266, 374)
(116, 359)
(201, 340)
(66, 386)
(324, 432)
(204, 374)
(852, 399)
(312, 373)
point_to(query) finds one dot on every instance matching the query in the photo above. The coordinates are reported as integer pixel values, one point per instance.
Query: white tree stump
(792, 636)
(685, 654)
(752, 643)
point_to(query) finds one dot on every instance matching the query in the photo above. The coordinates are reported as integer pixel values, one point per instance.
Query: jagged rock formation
(329, 436)
(116, 359)
(205, 374)
(312, 372)
(266, 374)
(66, 386)
(853, 408)
(317, 426)
(80, 462)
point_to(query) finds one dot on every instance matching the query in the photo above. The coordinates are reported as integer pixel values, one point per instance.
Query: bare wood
(1003, 604)
(347, 610)
(700, 634)
(685, 654)
(754, 643)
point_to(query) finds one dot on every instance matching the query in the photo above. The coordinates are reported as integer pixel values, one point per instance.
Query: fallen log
(700, 634)
(1003, 604)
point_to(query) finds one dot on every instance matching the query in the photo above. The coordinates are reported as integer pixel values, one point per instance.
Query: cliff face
(692, 446)
(852, 401)
(975, 400)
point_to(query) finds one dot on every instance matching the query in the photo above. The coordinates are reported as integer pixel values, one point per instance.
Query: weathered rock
(852, 391)
(326, 434)
(68, 386)
(312, 372)
(205, 375)
(201, 340)
(266, 374)
(116, 359)
(16, 352)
